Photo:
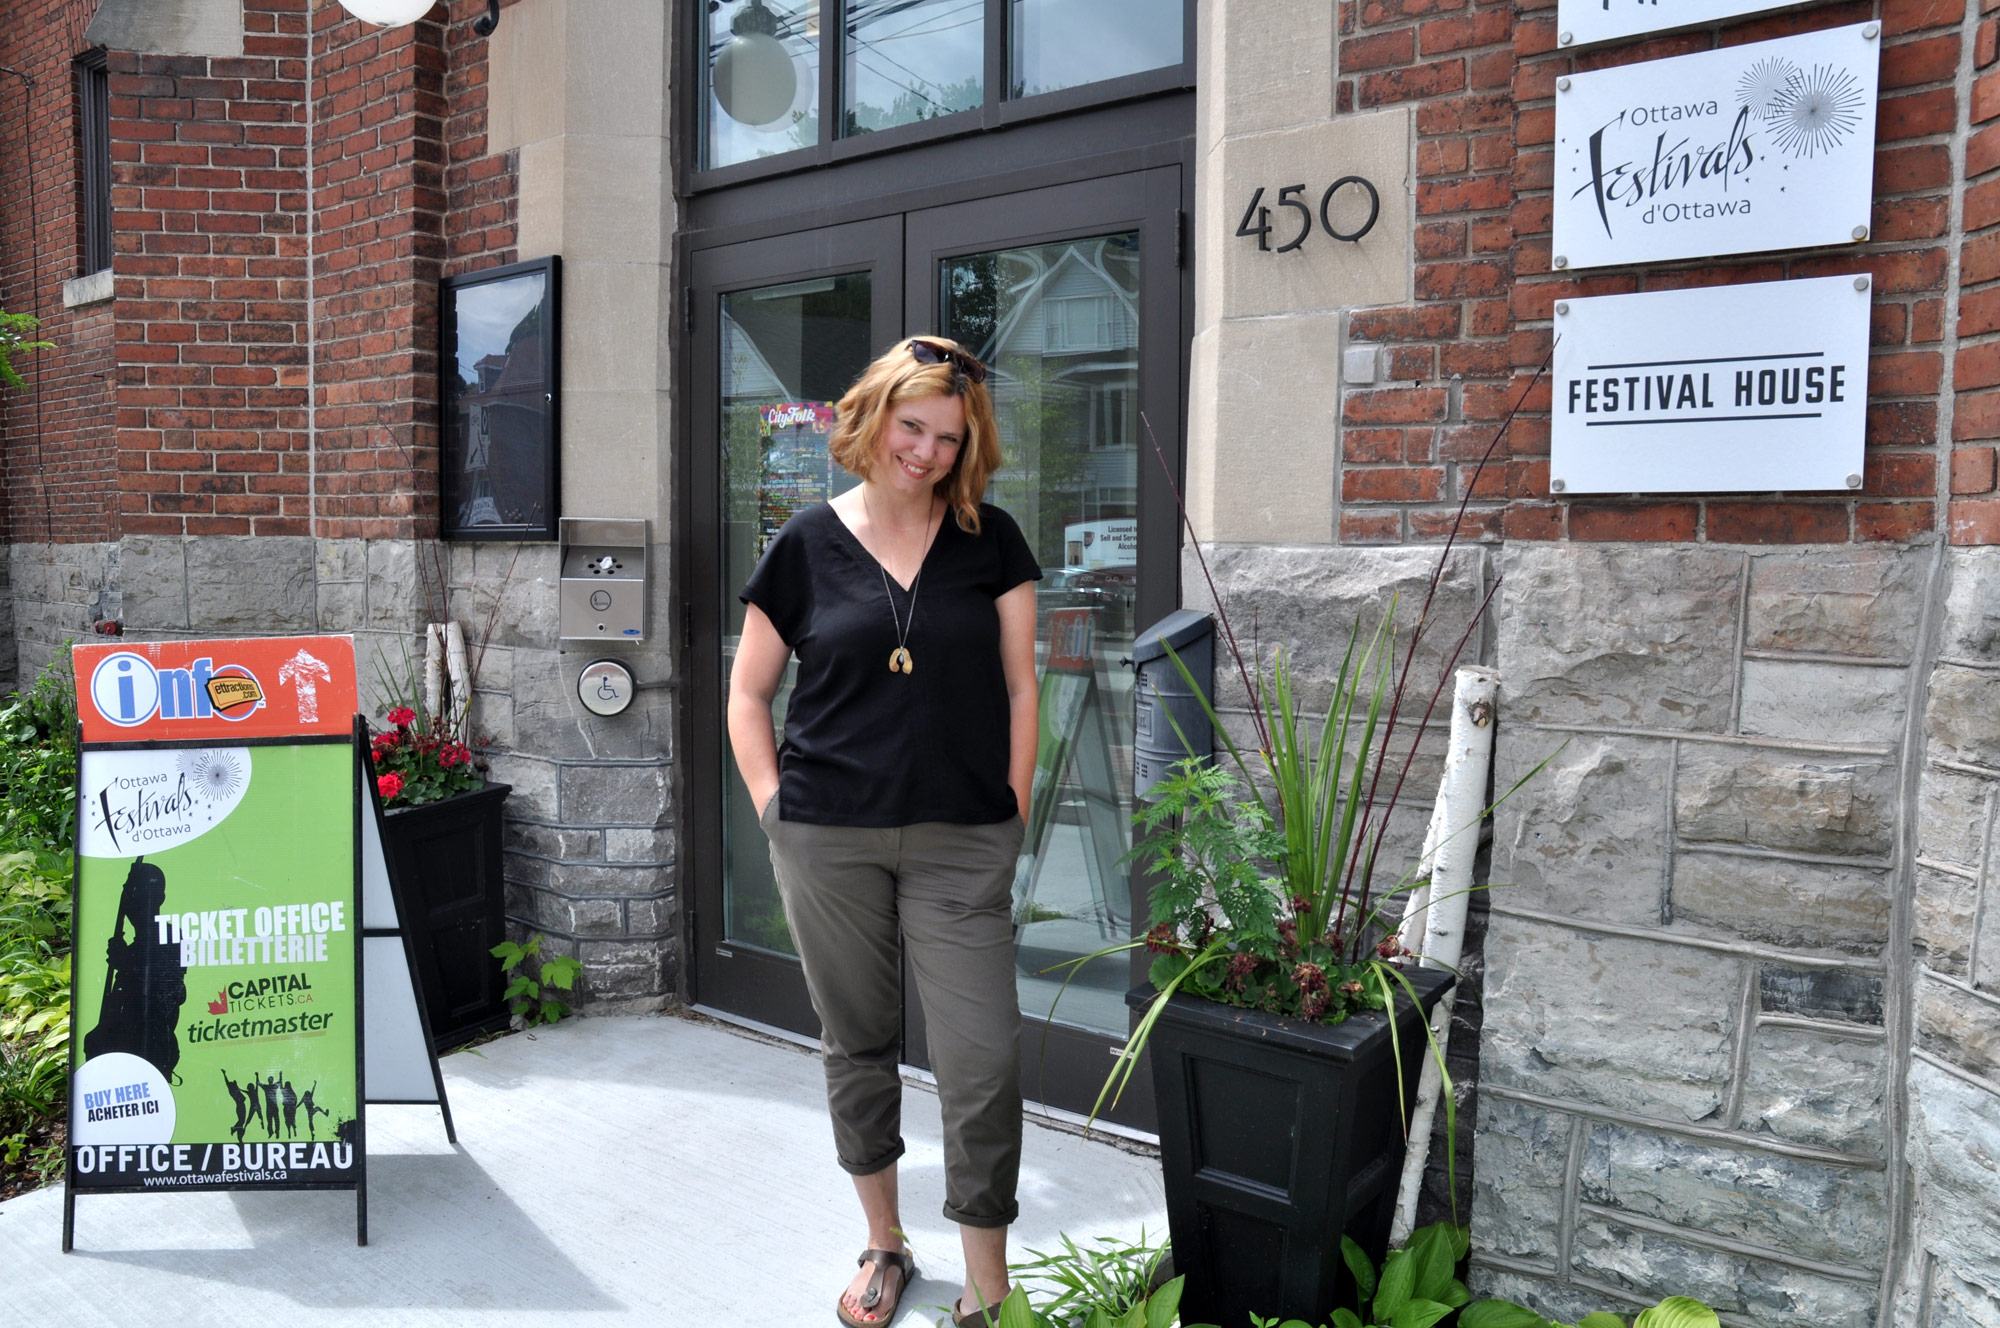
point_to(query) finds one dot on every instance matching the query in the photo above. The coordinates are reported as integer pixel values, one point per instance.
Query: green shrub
(34, 993)
(38, 763)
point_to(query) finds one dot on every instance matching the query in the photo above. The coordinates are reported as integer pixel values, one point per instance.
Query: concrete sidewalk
(632, 1171)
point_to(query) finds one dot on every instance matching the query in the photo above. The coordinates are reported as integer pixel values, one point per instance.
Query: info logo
(126, 688)
(255, 687)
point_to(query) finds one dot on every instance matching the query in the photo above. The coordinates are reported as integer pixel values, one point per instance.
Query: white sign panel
(1581, 22)
(1732, 389)
(1766, 146)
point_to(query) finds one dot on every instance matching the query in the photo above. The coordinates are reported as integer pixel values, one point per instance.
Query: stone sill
(93, 289)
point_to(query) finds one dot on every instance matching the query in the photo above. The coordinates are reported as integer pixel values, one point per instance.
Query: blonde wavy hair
(898, 375)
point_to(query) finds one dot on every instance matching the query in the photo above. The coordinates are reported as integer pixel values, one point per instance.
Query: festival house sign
(1582, 22)
(1765, 146)
(1758, 388)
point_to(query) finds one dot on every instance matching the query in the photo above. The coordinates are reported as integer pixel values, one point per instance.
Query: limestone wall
(1691, 1042)
(1952, 1098)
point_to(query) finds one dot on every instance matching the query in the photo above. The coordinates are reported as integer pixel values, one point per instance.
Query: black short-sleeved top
(867, 747)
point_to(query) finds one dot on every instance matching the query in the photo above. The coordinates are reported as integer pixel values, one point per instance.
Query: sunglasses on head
(930, 353)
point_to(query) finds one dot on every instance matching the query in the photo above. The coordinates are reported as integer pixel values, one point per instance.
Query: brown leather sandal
(871, 1295)
(974, 1318)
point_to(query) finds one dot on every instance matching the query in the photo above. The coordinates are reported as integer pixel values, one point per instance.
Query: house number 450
(1290, 197)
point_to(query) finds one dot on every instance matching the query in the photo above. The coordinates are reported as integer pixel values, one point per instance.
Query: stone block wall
(1690, 1065)
(1952, 1099)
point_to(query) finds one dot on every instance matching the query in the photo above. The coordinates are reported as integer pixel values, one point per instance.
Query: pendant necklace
(899, 658)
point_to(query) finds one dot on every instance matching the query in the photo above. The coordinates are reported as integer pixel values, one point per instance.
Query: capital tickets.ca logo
(268, 993)
(129, 691)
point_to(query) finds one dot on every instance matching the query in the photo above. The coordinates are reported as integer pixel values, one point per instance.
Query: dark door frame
(793, 216)
(1059, 1061)
(746, 980)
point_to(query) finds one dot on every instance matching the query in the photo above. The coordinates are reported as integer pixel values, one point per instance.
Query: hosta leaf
(1347, 1319)
(1399, 1275)
(1164, 1306)
(1677, 1312)
(1499, 1314)
(1358, 1264)
(1601, 1319)
(1430, 1253)
(1419, 1313)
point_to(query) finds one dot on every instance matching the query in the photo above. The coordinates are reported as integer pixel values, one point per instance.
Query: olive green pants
(946, 892)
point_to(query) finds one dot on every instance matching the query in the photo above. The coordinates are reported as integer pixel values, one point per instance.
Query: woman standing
(897, 803)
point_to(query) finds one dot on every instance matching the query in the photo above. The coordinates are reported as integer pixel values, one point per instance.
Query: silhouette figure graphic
(270, 1087)
(291, 1097)
(146, 982)
(312, 1109)
(242, 1111)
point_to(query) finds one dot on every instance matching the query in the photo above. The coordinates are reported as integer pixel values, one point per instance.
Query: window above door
(789, 84)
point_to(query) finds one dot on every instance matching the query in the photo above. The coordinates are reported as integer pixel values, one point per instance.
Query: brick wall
(482, 189)
(58, 462)
(1483, 76)
(195, 422)
(209, 232)
(1974, 507)
(379, 195)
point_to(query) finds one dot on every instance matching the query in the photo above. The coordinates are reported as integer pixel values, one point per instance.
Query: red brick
(1371, 528)
(1974, 521)
(1901, 16)
(1533, 521)
(1434, 322)
(1893, 522)
(1371, 446)
(1378, 50)
(1899, 475)
(1400, 484)
(1903, 170)
(1649, 522)
(1764, 522)
(1395, 406)
(1910, 374)
(1418, 81)
(1932, 60)
(1972, 470)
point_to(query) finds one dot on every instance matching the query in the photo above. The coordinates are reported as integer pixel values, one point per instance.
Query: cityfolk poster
(216, 1025)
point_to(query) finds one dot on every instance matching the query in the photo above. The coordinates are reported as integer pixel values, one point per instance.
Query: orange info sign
(256, 687)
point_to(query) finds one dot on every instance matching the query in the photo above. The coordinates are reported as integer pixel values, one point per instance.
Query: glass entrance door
(783, 327)
(1072, 296)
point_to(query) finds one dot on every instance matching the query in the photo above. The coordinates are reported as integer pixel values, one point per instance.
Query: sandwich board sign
(217, 981)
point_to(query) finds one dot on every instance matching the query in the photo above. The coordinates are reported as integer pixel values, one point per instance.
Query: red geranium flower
(402, 715)
(388, 786)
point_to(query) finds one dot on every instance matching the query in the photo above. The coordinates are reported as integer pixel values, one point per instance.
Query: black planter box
(445, 860)
(1276, 1136)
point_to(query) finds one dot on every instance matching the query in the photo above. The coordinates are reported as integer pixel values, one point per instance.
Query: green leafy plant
(1416, 1287)
(1105, 1276)
(16, 331)
(529, 995)
(38, 762)
(1160, 1309)
(1673, 1312)
(34, 1009)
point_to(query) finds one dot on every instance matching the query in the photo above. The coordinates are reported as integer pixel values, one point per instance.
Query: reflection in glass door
(1059, 326)
(787, 354)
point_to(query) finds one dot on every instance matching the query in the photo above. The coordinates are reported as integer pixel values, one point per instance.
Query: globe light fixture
(753, 75)
(388, 13)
